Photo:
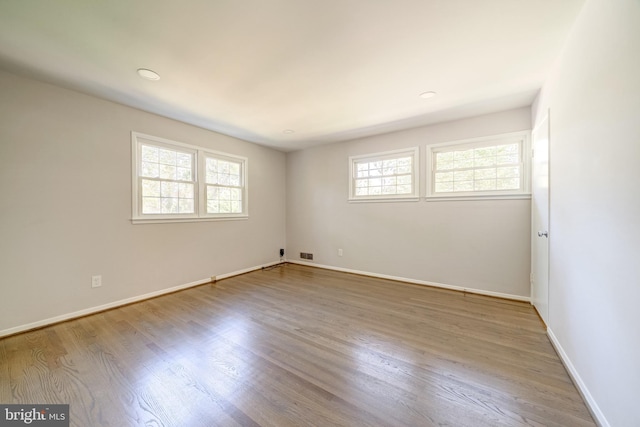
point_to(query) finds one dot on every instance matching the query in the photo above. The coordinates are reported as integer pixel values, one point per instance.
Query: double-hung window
(488, 167)
(387, 176)
(166, 180)
(224, 190)
(173, 181)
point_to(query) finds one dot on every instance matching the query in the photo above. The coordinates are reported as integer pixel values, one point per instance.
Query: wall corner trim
(416, 281)
(577, 380)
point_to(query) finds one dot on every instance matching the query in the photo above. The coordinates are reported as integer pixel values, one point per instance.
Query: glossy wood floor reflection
(298, 346)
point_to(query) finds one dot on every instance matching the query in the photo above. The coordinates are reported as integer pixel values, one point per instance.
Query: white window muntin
(224, 185)
(500, 167)
(198, 180)
(168, 189)
(386, 176)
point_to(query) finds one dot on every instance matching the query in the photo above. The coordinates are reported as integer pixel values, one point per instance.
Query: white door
(540, 219)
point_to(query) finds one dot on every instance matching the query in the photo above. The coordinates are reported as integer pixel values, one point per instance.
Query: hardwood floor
(298, 346)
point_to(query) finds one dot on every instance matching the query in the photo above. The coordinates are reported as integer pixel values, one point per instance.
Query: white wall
(481, 245)
(65, 207)
(594, 101)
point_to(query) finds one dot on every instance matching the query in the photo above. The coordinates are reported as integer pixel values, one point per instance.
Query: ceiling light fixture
(427, 95)
(288, 131)
(148, 74)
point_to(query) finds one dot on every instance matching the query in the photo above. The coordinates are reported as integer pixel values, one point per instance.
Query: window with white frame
(224, 189)
(175, 181)
(392, 175)
(167, 180)
(488, 167)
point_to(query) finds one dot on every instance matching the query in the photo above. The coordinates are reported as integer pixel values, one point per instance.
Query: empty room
(320, 213)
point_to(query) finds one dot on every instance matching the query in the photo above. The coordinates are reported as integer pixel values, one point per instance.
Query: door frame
(544, 125)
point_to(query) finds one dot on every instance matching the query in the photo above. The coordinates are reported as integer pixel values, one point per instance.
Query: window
(391, 175)
(175, 181)
(167, 180)
(490, 167)
(224, 185)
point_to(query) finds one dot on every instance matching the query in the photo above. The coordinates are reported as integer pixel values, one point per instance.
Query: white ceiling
(330, 70)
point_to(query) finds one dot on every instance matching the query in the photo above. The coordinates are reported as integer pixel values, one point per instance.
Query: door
(540, 219)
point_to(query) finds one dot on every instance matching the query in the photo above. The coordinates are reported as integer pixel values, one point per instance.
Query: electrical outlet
(96, 281)
(339, 252)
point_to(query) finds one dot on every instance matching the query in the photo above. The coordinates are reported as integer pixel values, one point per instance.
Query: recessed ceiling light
(148, 74)
(288, 131)
(427, 95)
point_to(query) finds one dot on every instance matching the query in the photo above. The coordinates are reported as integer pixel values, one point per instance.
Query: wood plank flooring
(298, 346)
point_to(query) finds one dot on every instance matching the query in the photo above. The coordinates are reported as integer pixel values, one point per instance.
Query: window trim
(203, 188)
(413, 152)
(199, 156)
(523, 193)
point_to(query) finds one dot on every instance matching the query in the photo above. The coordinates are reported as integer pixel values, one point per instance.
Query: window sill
(478, 197)
(174, 220)
(385, 200)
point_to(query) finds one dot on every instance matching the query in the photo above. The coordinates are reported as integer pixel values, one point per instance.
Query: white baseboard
(246, 270)
(97, 309)
(415, 281)
(577, 380)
